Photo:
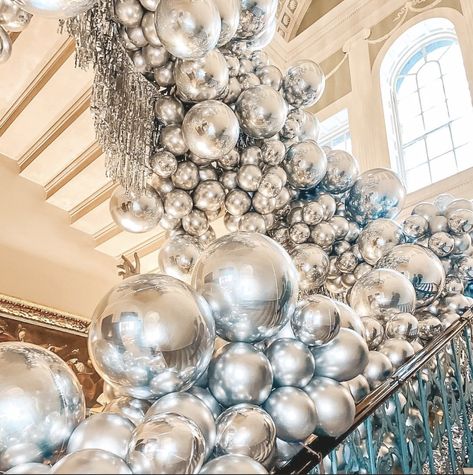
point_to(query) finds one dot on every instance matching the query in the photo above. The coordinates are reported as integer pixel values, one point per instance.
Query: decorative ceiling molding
(290, 15)
(99, 197)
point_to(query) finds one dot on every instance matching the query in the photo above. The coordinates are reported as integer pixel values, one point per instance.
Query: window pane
(439, 142)
(432, 94)
(464, 157)
(443, 167)
(406, 85)
(415, 155)
(462, 131)
(409, 106)
(418, 178)
(411, 129)
(428, 73)
(436, 117)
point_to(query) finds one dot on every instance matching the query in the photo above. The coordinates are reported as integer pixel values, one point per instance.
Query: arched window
(427, 104)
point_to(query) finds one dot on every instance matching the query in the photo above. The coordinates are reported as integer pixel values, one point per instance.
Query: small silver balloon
(378, 369)
(148, 26)
(128, 12)
(343, 358)
(292, 362)
(167, 443)
(150, 5)
(255, 17)
(349, 319)
(262, 111)
(304, 84)
(136, 213)
(312, 264)
(245, 429)
(460, 221)
(163, 163)
(429, 326)
(270, 76)
(211, 129)
(239, 373)
(155, 56)
(415, 227)
(207, 398)
(164, 76)
(252, 223)
(108, 432)
(378, 193)
(293, 412)
(178, 255)
(132, 409)
(186, 176)
(237, 202)
(229, 11)
(380, 291)
(404, 326)
(334, 406)
(233, 463)
(250, 283)
(12, 17)
(342, 171)
(56, 8)
(195, 223)
(209, 196)
(442, 244)
(91, 461)
(178, 204)
(358, 387)
(169, 110)
(172, 138)
(249, 177)
(374, 332)
(188, 28)
(323, 235)
(398, 351)
(190, 407)
(137, 37)
(29, 468)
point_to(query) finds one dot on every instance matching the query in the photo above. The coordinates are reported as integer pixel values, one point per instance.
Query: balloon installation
(13, 19)
(247, 343)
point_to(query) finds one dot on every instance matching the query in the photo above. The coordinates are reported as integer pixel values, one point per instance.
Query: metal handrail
(315, 448)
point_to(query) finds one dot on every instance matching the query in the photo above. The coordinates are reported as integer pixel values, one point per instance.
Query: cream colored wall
(42, 259)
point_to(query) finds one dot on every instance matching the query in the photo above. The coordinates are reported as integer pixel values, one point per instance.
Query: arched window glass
(335, 132)
(427, 104)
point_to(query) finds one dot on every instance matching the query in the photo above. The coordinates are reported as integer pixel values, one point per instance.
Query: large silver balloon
(207, 398)
(209, 196)
(262, 111)
(378, 369)
(343, 358)
(374, 332)
(93, 461)
(304, 84)
(169, 110)
(292, 362)
(378, 193)
(109, 432)
(211, 129)
(305, 165)
(56, 8)
(378, 238)
(41, 402)
(246, 430)
(342, 171)
(312, 264)
(255, 17)
(136, 213)
(421, 266)
(141, 341)
(202, 79)
(349, 319)
(239, 373)
(177, 204)
(316, 321)
(191, 407)
(148, 27)
(133, 409)
(229, 11)
(250, 283)
(178, 256)
(293, 412)
(167, 443)
(358, 387)
(398, 351)
(12, 17)
(29, 468)
(233, 463)
(334, 405)
(380, 291)
(188, 29)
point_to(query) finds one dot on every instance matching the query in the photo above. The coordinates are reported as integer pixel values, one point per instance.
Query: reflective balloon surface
(140, 341)
(29, 468)
(304, 84)
(178, 255)
(236, 464)
(378, 369)
(342, 171)
(56, 8)
(250, 283)
(49, 397)
(229, 11)
(398, 351)
(93, 461)
(312, 264)
(133, 409)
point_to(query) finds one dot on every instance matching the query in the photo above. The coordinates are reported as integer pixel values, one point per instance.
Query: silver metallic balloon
(380, 291)
(312, 264)
(202, 79)
(316, 321)
(233, 463)
(164, 76)
(190, 407)
(155, 56)
(429, 326)
(334, 405)
(209, 196)
(108, 432)
(163, 163)
(167, 443)
(458, 204)
(262, 111)
(398, 351)
(358, 387)
(323, 235)
(250, 283)
(229, 11)
(237, 202)
(249, 177)
(136, 36)
(238, 373)
(136, 213)
(442, 244)
(41, 402)
(178, 204)
(438, 224)
(207, 398)
(293, 413)
(374, 332)
(93, 461)
(292, 362)
(378, 369)
(246, 429)
(255, 17)
(342, 171)
(415, 227)
(211, 129)
(460, 221)
(27, 468)
(377, 193)
(343, 358)
(195, 223)
(5, 45)
(150, 5)
(133, 409)
(273, 152)
(349, 319)
(304, 84)
(305, 165)
(378, 238)
(421, 266)
(270, 76)
(169, 110)
(128, 12)
(56, 8)
(148, 26)
(12, 17)
(141, 341)
(252, 223)
(426, 210)
(404, 326)
(172, 138)
(188, 28)
(186, 176)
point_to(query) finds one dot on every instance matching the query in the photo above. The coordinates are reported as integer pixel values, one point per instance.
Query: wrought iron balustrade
(418, 421)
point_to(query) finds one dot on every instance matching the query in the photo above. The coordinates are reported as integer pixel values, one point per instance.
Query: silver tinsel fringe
(122, 99)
